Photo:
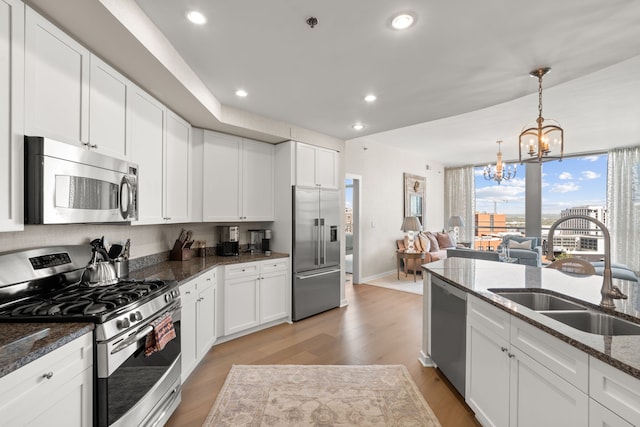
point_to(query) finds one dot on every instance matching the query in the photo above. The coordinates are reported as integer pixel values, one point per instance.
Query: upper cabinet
(11, 114)
(160, 142)
(108, 110)
(238, 179)
(57, 83)
(316, 166)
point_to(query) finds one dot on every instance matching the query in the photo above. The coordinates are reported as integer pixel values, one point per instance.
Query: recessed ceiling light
(241, 93)
(196, 17)
(358, 126)
(402, 21)
(370, 98)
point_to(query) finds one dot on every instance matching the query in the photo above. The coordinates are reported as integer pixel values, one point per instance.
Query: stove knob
(135, 316)
(123, 323)
(175, 293)
(167, 297)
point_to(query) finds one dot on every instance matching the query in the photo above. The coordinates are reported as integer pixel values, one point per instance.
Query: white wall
(382, 199)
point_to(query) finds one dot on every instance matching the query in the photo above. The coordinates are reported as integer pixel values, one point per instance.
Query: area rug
(320, 395)
(405, 284)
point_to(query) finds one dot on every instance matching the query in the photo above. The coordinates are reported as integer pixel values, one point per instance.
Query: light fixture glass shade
(541, 141)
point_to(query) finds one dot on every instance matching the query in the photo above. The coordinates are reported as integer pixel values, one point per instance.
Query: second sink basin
(539, 301)
(596, 323)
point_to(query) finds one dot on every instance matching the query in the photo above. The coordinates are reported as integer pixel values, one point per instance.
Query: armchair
(532, 256)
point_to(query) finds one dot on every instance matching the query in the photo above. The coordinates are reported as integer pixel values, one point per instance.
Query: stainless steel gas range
(132, 386)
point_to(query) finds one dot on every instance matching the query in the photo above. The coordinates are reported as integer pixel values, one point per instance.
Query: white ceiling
(457, 79)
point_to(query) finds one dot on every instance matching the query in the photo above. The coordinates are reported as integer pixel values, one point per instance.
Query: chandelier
(500, 172)
(538, 139)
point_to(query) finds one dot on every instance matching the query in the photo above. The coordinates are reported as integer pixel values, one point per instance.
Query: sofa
(433, 244)
(473, 254)
(618, 271)
(526, 250)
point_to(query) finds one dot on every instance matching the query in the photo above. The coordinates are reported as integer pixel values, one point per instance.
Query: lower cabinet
(506, 386)
(198, 320)
(255, 293)
(54, 390)
(599, 416)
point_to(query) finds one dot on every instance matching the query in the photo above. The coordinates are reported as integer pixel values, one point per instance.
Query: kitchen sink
(595, 323)
(539, 301)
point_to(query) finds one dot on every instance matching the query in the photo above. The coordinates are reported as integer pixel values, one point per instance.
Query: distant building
(582, 226)
(348, 220)
(490, 223)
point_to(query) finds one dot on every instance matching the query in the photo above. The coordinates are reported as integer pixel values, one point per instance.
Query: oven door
(133, 389)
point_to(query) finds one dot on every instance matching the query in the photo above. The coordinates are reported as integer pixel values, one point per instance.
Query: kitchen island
(533, 355)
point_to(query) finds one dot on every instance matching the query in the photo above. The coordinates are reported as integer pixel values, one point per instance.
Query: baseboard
(425, 360)
(377, 276)
(344, 303)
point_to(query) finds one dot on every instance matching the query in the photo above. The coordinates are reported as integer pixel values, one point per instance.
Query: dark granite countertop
(477, 277)
(185, 270)
(21, 343)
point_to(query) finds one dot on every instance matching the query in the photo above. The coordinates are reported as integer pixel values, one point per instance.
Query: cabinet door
(147, 140)
(11, 114)
(178, 169)
(189, 298)
(108, 110)
(487, 376)
(274, 302)
(599, 416)
(541, 398)
(327, 168)
(241, 304)
(305, 164)
(206, 318)
(222, 178)
(56, 83)
(257, 181)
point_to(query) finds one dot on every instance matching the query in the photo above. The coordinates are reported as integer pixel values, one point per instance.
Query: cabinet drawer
(616, 390)
(242, 270)
(559, 357)
(492, 318)
(40, 379)
(275, 265)
(189, 288)
(599, 416)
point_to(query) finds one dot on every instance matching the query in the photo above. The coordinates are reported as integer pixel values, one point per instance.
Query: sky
(576, 181)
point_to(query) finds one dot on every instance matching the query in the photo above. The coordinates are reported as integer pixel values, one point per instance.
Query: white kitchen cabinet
(505, 385)
(56, 83)
(11, 114)
(198, 320)
(316, 166)
(238, 179)
(108, 110)
(615, 390)
(599, 416)
(177, 167)
(54, 390)
(255, 293)
(147, 142)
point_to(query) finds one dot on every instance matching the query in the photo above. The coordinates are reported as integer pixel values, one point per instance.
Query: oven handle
(165, 407)
(141, 332)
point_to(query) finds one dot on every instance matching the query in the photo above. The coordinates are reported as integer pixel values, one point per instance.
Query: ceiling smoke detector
(312, 21)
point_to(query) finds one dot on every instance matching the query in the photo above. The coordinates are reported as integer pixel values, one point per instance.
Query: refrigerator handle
(323, 243)
(317, 241)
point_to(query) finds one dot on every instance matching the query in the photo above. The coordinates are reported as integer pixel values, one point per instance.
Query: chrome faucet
(608, 291)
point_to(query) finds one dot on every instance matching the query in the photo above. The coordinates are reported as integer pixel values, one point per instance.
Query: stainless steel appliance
(316, 251)
(448, 331)
(66, 184)
(43, 285)
(228, 245)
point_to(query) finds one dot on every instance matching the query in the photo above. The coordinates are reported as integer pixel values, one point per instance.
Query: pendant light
(500, 172)
(541, 140)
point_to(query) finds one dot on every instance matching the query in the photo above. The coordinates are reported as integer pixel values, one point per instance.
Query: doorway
(353, 193)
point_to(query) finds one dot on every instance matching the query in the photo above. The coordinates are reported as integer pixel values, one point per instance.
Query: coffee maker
(266, 242)
(228, 245)
(259, 241)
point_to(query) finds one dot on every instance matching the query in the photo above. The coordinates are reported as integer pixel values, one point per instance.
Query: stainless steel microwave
(65, 184)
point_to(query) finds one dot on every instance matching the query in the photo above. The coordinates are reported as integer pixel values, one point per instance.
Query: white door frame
(357, 228)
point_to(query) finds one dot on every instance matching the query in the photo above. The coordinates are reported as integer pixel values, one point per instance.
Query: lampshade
(456, 221)
(411, 223)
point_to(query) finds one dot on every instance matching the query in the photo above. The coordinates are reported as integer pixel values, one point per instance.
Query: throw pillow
(433, 242)
(424, 242)
(444, 241)
(416, 244)
(523, 245)
(452, 236)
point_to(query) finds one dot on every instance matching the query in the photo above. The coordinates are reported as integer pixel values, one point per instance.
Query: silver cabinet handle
(503, 349)
(511, 355)
(93, 145)
(48, 375)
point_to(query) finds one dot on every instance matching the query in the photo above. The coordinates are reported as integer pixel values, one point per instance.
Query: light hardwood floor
(379, 326)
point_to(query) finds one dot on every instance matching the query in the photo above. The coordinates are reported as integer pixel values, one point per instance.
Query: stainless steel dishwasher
(449, 331)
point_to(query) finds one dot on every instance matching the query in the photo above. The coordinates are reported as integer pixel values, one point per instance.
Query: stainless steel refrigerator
(316, 251)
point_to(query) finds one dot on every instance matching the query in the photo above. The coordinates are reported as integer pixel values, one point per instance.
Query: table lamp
(455, 222)
(410, 224)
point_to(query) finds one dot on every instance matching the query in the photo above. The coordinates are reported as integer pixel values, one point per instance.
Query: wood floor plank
(379, 326)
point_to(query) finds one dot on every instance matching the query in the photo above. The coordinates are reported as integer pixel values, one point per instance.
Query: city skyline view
(576, 181)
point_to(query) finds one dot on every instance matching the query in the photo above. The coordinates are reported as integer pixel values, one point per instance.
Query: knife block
(180, 252)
